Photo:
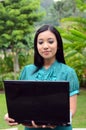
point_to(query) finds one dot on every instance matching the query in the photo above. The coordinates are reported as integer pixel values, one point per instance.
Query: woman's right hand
(10, 121)
(34, 125)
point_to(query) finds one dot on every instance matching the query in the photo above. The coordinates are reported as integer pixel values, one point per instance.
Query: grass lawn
(79, 120)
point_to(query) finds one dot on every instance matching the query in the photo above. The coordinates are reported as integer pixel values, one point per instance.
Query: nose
(45, 45)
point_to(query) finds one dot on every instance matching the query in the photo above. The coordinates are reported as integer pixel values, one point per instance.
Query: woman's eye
(40, 42)
(50, 41)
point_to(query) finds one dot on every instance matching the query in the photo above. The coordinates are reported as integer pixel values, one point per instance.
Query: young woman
(49, 64)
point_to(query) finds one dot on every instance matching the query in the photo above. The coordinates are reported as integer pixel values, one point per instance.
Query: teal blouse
(56, 72)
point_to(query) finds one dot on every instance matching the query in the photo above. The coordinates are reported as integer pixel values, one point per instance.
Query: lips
(46, 52)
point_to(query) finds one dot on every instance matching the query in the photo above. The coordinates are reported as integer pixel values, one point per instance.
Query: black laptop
(45, 102)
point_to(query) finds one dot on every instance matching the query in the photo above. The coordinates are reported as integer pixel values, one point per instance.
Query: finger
(43, 126)
(13, 124)
(6, 116)
(52, 127)
(10, 121)
(34, 124)
(7, 119)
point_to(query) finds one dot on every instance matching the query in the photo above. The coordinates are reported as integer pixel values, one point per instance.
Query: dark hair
(38, 60)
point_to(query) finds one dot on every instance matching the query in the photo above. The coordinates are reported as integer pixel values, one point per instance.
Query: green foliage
(26, 57)
(17, 19)
(75, 59)
(73, 31)
(63, 9)
(1, 83)
(6, 69)
(7, 76)
(80, 4)
(6, 64)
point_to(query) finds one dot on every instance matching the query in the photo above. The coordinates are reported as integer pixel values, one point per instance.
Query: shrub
(7, 76)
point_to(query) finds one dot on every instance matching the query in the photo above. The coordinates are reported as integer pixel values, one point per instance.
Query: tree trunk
(15, 64)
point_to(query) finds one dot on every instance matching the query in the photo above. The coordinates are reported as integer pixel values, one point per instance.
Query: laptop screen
(45, 102)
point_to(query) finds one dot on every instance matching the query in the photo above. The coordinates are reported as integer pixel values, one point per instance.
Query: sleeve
(73, 82)
(23, 74)
(27, 72)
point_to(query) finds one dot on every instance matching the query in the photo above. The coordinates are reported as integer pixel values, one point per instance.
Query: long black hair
(38, 60)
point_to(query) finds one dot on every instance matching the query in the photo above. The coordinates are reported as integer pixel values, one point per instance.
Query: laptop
(45, 102)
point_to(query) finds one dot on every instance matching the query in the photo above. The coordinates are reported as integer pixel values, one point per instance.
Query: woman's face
(47, 45)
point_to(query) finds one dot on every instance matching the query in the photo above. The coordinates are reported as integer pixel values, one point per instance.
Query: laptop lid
(45, 102)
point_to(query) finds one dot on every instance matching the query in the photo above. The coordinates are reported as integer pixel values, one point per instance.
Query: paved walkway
(79, 128)
(10, 129)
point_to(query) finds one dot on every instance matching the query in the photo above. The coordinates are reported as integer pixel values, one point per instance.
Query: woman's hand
(34, 125)
(10, 121)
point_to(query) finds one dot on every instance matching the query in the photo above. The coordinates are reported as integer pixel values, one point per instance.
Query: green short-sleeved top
(56, 72)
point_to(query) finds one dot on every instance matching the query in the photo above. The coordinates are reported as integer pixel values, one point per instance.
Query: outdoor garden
(19, 19)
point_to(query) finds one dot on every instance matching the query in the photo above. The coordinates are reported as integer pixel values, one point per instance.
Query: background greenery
(19, 19)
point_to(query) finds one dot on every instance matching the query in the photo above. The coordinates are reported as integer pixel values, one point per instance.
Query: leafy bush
(6, 69)
(25, 58)
(6, 64)
(7, 76)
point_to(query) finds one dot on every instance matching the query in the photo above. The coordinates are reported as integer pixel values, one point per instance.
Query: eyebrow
(48, 38)
(40, 39)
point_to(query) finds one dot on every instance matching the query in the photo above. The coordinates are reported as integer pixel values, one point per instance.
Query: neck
(48, 63)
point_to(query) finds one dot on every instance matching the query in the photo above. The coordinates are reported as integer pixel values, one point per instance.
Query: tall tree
(17, 18)
(64, 8)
